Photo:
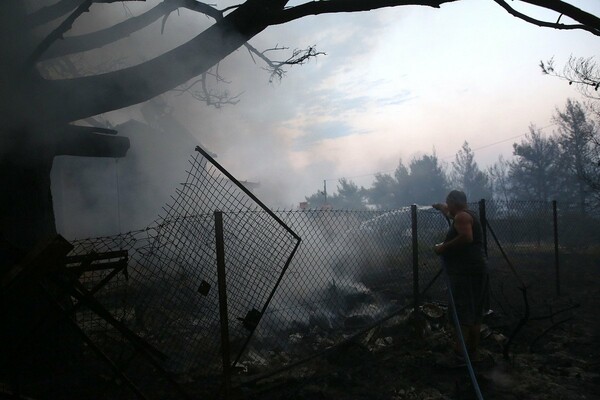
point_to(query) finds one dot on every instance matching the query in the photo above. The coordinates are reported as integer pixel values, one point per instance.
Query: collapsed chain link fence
(351, 269)
(169, 296)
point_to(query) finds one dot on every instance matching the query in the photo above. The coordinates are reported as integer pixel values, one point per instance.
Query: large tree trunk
(35, 339)
(27, 215)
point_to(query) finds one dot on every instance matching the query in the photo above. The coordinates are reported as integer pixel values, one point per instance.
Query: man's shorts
(471, 296)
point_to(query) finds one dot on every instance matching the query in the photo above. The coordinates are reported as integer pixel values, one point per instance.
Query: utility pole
(325, 190)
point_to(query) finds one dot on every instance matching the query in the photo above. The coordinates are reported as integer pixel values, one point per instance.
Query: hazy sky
(395, 83)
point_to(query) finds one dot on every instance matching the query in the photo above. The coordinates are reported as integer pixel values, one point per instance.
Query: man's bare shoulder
(463, 216)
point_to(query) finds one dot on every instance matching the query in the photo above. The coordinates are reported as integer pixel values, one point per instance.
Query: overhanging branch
(337, 6)
(122, 88)
(57, 10)
(593, 28)
(275, 68)
(50, 13)
(80, 43)
(583, 17)
(64, 27)
(58, 32)
(113, 90)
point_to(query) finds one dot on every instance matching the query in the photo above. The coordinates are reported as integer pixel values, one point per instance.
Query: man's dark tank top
(466, 259)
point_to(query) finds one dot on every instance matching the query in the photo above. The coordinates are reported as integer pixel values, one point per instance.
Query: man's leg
(466, 331)
(474, 335)
(471, 337)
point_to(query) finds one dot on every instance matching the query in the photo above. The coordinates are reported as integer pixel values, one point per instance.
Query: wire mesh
(578, 232)
(351, 269)
(169, 297)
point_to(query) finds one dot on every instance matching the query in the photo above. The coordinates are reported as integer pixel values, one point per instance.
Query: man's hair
(457, 197)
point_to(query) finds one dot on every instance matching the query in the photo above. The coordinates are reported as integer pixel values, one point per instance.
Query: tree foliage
(578, 141)
(390, 191)
(348, 197)
(427, 182)
(534, 170)
(467, 176)
(498, 175)
(423, 182)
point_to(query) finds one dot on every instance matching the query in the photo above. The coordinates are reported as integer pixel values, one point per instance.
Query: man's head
(456, 201)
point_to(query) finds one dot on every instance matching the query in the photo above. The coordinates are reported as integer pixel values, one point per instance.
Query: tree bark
(26, 202)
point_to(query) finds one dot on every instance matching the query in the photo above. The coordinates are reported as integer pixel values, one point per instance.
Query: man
(463, 254)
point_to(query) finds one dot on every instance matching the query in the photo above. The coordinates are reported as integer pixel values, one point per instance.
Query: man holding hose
(463, 254)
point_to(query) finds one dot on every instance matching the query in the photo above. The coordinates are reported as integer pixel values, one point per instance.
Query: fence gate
(169, 294)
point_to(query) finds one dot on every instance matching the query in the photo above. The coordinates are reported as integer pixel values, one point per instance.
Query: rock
(498, 338)
(384, 342)
(295, 338)
(432, 311)
(431, 394)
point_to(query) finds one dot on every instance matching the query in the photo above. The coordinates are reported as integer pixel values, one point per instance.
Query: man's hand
(441, 207)
(439, 248)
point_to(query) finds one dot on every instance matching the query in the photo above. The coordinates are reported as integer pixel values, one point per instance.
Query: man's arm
(443, 207)
(463, 223)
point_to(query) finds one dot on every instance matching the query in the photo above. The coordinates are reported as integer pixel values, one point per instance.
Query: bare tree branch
(564, 8)
(50, 13)
(275, 68)
(574, 13)
(581, 71)
(135, 84)
(337, 6)
(118, 31)
(118, 89)
(57, 33)
(57, 10)
(212, 98)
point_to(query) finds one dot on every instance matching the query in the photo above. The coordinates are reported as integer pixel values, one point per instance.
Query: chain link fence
(169, 297)
(287, 299)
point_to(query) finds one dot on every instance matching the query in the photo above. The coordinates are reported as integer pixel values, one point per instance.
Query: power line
(500, 141)
(441, 158)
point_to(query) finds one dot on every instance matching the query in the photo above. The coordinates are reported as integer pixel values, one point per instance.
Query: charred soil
(408, 357)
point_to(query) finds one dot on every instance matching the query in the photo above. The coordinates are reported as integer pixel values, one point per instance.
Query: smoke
(379, 95)
(255, 139)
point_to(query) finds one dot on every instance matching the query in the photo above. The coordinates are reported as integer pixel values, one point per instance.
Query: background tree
(467, 176)
(535, 170)
(423, 182)
(427, 183)
(390, 192)
(576, 133)
(499, 179)
(349, 196)
(317, 200)
(38, 113)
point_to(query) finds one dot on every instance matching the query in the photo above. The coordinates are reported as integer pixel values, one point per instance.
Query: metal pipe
(483, 221)
(223, 314)
(556, 263)
(415, 255)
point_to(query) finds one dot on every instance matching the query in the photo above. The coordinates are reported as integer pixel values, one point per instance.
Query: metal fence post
(415, 255)
(222, 283)
(483, 220)
(556, 264)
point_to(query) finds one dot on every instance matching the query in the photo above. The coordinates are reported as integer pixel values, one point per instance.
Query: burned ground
(405, 357)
